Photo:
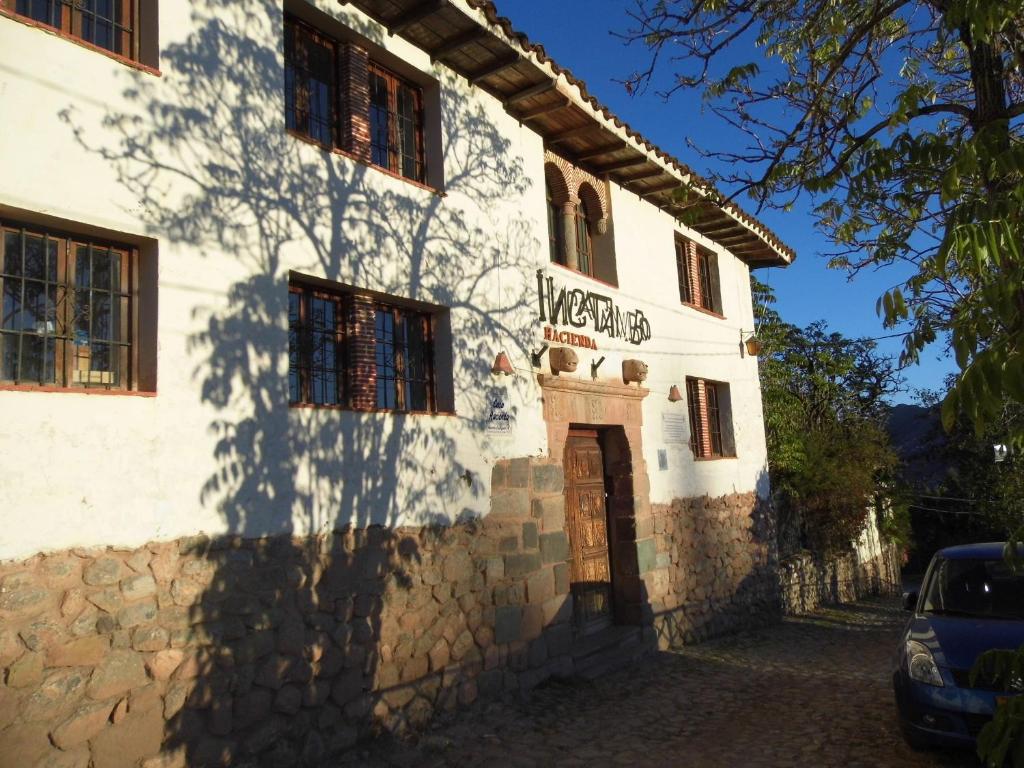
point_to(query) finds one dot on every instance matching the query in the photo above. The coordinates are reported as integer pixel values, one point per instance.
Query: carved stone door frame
(615, 411)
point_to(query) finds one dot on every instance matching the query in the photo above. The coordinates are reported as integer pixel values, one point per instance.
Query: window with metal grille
(322, 334)
(311, 95)
(70, 314)
(316, 347)
(396, 124)
(316, 84)
(705, 404)
(403, 357)
(108, 24)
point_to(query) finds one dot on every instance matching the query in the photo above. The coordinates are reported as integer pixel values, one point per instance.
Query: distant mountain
(919, 440)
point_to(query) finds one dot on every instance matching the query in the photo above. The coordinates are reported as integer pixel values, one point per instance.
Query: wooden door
(587, 524)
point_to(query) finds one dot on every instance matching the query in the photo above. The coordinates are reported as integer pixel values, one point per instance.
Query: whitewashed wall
(195, 166)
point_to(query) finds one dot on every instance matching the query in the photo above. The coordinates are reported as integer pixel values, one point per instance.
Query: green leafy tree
(902, 120)
(828, 452)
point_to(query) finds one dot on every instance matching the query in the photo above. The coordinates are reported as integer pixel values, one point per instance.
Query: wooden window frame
(68, 353)
(581, 225)
(401, 363)
(347, 340)
(71, 22)
(556, 235)
(394, 83)
(700, 291)
(703, 399)
(305, 370)
(295, 27)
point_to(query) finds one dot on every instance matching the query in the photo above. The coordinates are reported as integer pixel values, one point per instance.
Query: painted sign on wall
(578, 308)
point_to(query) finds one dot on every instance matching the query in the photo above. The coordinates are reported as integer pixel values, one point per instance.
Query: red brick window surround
(111, 25)
(70, 313)
(706, 401)
(697, 271)
(351, 350)
(337, 97)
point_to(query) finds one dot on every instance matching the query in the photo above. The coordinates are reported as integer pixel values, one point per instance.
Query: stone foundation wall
(807, 582)
(714, 567)
(279, 651)
(282, 651)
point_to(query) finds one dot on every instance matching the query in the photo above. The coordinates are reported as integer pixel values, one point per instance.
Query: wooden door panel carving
(587, 523)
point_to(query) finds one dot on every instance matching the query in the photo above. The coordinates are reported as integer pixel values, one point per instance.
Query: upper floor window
(70, 314)
(310, 95)
(336, 96)
(584, 241)
(396, 124)
(113, 25)
(578, 236)
(555, 233)
(354, 351)
(697, 270)
(710, 413)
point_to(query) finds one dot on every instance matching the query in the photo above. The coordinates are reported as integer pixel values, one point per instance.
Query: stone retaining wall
(807, 582)
(282, 651)
(715, 568)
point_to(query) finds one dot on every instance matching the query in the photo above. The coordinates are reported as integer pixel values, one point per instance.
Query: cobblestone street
(813, 691)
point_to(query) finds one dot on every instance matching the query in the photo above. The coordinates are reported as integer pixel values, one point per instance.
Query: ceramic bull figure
(634, 370)
(563, 360)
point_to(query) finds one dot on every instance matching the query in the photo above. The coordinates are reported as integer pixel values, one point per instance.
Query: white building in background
(258, 263)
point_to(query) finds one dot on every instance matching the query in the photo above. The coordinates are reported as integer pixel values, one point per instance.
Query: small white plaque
(674, 428)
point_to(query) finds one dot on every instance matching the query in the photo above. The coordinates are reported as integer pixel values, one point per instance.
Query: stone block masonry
(281, 651)
(714, 569)
(277, 650)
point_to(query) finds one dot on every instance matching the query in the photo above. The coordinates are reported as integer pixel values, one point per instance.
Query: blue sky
(576, 33)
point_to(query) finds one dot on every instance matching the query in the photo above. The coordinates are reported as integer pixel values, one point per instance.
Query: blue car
(970, 601)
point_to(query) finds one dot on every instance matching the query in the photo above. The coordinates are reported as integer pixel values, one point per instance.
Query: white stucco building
(258, 262)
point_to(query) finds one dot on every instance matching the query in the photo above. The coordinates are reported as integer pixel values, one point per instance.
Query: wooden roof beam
(414, 15)
(457, 43)
(572, 133)
(493, 69)
(618, 166)
(648, 174)
(543, 109)
(665, 186)
(530, 92)
(604, 149)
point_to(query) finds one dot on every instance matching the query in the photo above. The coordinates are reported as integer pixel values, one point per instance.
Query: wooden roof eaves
(533, 61)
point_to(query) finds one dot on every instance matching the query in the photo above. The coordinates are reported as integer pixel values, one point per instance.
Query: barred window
(403, 357)
(70, 315)
(328, 329)
(311, 64)
(396, 124)
(317, 104)
(108, 24)
(316, 347)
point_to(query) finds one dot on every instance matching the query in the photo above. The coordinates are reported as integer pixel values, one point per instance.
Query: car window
(986, 588)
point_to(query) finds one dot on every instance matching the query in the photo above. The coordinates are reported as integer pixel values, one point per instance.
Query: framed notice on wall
(674, 428)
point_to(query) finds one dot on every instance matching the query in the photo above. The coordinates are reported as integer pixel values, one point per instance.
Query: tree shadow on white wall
(285, 629)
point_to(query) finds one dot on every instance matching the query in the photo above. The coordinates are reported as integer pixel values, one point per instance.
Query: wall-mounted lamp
(594, 366)
(536, 356)
(502, 365)
(752, 343)
(674, 395)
